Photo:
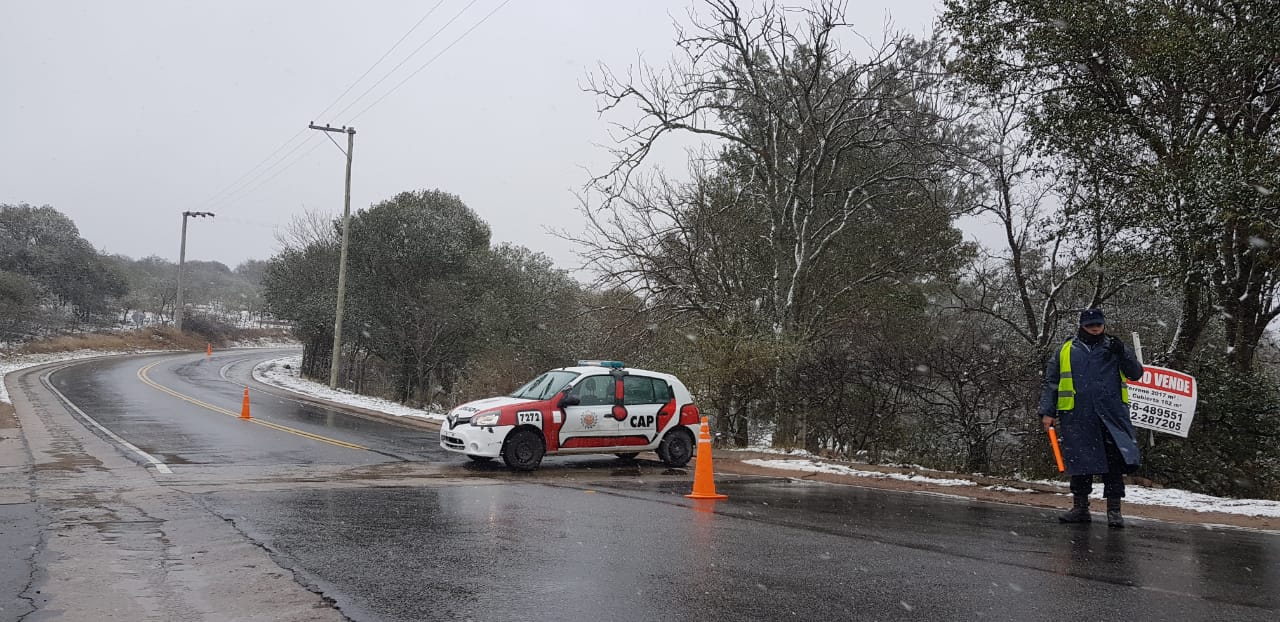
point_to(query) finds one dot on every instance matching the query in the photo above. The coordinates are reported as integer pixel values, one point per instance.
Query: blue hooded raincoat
(1098, 407)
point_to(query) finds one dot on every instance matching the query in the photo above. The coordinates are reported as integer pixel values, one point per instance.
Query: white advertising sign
(1163, 400)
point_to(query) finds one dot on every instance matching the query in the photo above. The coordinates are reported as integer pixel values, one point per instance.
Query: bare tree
(823, 176)
(1057, 250)
(811, 141)
(311, 227)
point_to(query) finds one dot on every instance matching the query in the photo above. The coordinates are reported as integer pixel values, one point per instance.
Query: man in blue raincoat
(1086, 399)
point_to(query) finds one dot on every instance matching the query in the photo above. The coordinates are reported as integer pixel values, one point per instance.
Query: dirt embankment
(152, 338)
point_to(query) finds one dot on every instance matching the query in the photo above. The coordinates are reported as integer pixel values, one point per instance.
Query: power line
(411, 55)
(250, 182)
(429, 61)
(235, 186)
(248, 190)
(380, 59)
(212, 199)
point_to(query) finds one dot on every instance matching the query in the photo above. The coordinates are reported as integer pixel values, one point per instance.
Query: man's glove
(1115, 346)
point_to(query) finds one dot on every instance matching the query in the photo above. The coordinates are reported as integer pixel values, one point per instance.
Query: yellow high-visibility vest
(1067, 388)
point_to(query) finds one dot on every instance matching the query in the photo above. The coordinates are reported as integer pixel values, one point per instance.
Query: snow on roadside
(12, 363)
(1170, 497)
(820, 467)
(266, 344)
(273, 372)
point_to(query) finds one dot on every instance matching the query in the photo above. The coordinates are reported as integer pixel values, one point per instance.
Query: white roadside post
(1137, 351)
(1162, 400)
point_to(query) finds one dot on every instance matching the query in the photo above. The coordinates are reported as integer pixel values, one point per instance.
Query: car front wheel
(676, 448)
(523, 450)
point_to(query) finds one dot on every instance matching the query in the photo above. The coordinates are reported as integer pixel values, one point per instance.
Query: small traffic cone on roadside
(208, 349)
(244, 408)
(704, 483)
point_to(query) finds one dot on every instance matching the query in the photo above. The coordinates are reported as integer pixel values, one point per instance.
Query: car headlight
(485, 419)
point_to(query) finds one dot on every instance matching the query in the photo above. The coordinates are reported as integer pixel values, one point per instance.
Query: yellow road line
(142, 375)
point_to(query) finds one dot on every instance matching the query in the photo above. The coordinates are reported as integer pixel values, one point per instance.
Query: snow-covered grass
(1169, 497)
(837, 469)
(1175, 498)
(275, 373)
(266, 343)
(12, 363)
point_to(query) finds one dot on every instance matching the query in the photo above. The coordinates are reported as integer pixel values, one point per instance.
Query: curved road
(185, 410)
(382, 524)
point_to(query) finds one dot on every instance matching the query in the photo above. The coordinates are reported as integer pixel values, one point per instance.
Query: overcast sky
(123, 114)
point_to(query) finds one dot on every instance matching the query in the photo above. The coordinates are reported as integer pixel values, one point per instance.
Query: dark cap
(1092, 316)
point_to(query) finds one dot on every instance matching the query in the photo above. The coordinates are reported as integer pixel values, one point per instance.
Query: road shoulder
(116, 539)
(985, 489)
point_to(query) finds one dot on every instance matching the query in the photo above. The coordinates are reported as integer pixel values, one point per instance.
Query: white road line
(150, 459)
(223, 372)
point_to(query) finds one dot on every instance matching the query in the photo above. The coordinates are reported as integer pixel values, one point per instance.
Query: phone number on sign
(1157, 416)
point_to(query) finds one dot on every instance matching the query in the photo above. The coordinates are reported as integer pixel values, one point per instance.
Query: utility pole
(182, 258)
(335, 358)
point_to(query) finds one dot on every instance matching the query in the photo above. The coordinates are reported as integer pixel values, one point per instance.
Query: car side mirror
(570, 400)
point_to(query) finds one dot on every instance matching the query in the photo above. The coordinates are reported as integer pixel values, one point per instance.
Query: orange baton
(1057, 451)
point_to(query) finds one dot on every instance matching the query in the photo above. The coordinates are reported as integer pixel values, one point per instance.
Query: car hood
(488, 403)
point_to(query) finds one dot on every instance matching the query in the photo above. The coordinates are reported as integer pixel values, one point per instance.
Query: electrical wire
(246, 182)
(380, 59)
(252, 180)
(221, 196)
(429, 61)
(250, 190)
(406, 59)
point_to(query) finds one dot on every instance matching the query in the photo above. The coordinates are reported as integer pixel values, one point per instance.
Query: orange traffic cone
(208, 349)
(704, 483)
(244, 409)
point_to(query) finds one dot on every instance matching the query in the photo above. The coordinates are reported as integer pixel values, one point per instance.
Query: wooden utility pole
(182, 258)
(335, 358)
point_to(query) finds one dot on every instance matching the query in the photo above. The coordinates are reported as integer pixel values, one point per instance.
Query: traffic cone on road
(208, 349)
(244, 408)
(704, 483)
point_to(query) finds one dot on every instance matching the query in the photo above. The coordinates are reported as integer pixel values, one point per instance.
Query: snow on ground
(274, 373)
(1170, 497)
(822, 467)
(1173, 497)
(12, 363)
(1008, 489)
(265, 343)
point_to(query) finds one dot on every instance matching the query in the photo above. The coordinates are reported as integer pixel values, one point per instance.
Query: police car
(592, 408)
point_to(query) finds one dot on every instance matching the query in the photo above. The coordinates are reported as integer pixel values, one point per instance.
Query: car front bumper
(473, 440)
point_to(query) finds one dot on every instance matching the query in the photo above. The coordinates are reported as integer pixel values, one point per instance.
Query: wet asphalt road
(774, 550)
(622, 543)
(178, 431)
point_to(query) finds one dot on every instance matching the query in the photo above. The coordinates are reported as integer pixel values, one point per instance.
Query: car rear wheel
(627, 455)
(523, 450)
(676, 448)
(480, 458)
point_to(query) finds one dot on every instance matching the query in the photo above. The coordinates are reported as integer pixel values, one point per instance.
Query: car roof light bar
(594, 363)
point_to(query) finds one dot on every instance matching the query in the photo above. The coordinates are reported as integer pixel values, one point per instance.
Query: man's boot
(1114, 519)
(1079, 512)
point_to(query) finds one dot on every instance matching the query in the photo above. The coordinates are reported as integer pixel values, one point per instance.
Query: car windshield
(545, 386)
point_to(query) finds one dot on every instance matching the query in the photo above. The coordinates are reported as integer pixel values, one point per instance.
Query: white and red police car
(592, 408)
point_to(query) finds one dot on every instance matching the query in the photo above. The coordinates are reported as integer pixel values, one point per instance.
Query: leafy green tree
(412, 260)
(19, 300)
(300, 286)
(1169, 107)
(45, 246)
